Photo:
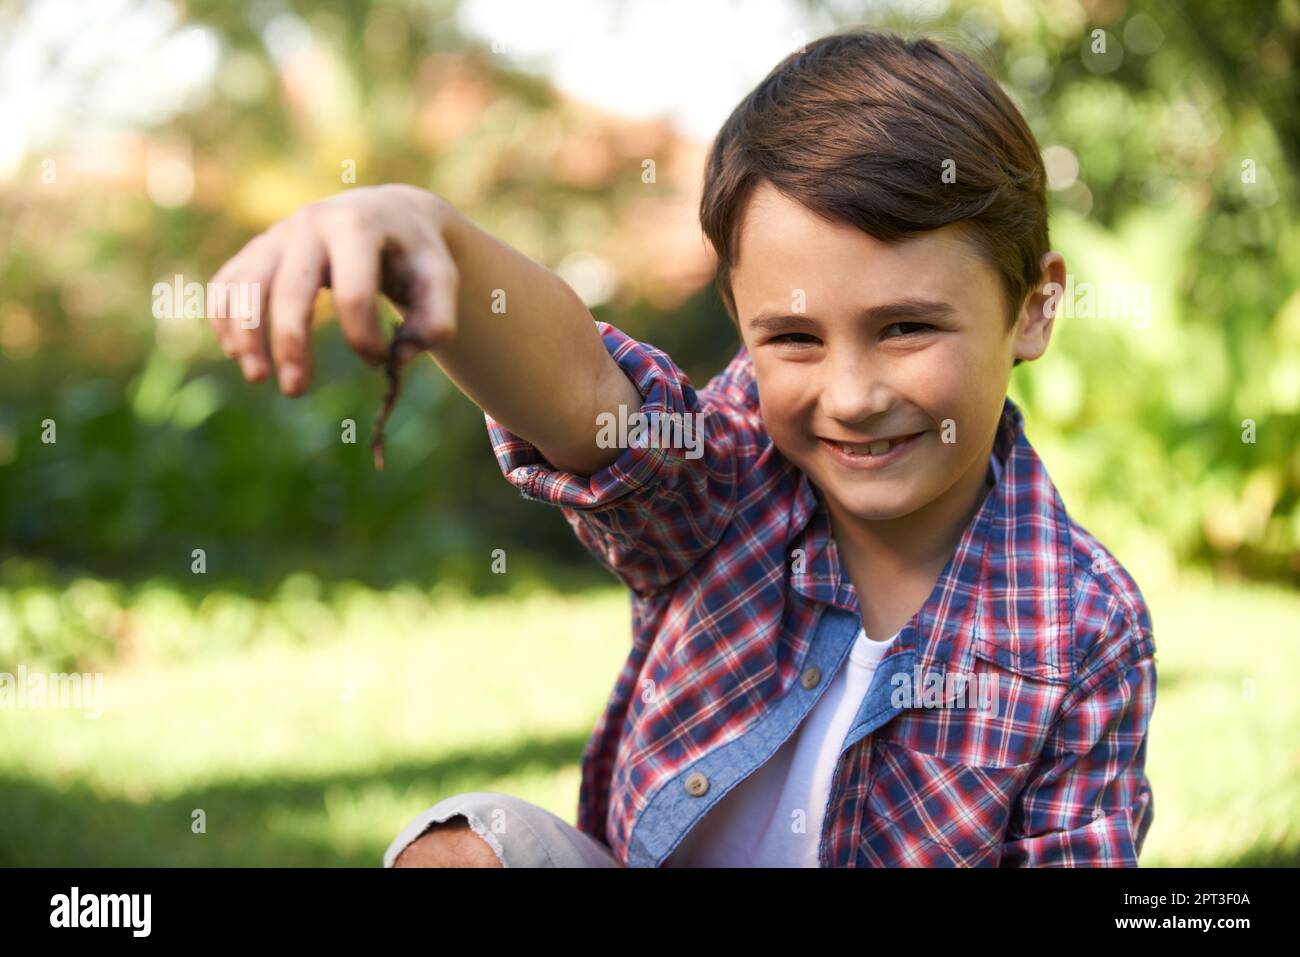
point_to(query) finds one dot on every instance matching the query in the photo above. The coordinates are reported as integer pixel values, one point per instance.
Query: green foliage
(163, 449)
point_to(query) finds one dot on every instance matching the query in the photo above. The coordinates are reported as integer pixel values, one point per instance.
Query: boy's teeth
(874, 448)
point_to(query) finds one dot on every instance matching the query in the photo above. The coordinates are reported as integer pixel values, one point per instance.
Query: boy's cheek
(784, 419)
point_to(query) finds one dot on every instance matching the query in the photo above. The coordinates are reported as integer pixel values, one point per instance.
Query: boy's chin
(883, 502)
(877, 508)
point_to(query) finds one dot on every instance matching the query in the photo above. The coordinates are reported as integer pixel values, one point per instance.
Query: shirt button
(696, 784)
(811, 675)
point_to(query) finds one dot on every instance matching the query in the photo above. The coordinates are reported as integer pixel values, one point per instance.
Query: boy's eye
(805, 339)
(789, 338)
(916, 327)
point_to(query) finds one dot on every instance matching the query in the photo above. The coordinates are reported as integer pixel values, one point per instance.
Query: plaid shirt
(742, 612)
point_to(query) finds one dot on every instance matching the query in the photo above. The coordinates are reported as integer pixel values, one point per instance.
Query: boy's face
(892, 339)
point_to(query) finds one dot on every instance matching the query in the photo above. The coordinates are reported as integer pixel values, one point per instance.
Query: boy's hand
(359, 243)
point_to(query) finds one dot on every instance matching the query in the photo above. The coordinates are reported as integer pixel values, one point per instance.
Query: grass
(315, 754)
(317, 744)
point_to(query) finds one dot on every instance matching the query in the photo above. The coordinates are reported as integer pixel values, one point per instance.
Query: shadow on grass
(249, 822)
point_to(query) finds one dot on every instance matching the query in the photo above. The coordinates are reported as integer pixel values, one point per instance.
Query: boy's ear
(1035, 322)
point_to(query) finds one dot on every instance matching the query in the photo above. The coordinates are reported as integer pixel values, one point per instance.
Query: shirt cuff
(663, 389)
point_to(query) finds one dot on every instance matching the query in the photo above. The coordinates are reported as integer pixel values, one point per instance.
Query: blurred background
(300, 653)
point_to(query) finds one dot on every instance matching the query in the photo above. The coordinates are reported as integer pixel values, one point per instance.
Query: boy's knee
(450, 843)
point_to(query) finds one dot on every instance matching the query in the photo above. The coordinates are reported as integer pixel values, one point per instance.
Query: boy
(866, 630)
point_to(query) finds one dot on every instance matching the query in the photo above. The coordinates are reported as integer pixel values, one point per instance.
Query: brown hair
(857, 128)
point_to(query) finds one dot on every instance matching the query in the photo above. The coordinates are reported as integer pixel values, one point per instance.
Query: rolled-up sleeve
(653, 512)
(1088, 802)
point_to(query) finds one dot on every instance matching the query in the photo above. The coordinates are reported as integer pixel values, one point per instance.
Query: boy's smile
(855, 341)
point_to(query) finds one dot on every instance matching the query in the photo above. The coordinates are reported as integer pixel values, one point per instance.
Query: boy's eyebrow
(898, 310)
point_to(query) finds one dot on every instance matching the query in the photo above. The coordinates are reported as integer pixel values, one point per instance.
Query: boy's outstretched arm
(535, 362)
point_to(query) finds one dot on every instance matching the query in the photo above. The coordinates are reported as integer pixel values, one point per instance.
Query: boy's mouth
(875, 454)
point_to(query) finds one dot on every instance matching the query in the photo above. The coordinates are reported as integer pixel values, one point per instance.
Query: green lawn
(348, 713)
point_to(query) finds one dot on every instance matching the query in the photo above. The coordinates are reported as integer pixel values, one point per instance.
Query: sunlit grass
(1224, 747)
(317, 743)
(316, 753)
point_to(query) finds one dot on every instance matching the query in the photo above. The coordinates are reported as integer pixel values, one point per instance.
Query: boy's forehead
(784, 247)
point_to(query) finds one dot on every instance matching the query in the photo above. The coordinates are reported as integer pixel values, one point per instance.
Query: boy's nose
(854, 394)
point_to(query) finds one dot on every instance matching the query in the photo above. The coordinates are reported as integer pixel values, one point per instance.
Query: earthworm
(392, 371)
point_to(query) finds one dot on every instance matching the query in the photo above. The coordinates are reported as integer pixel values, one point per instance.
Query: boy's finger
(230, 288)
(354, 282)
(219, 313)
(247, 292)
(293, 295)
(432, 313)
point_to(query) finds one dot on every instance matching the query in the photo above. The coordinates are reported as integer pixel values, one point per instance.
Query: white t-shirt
(773, 818)
(754, 825)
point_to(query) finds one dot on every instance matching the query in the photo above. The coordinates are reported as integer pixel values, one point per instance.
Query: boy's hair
(858, 128)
